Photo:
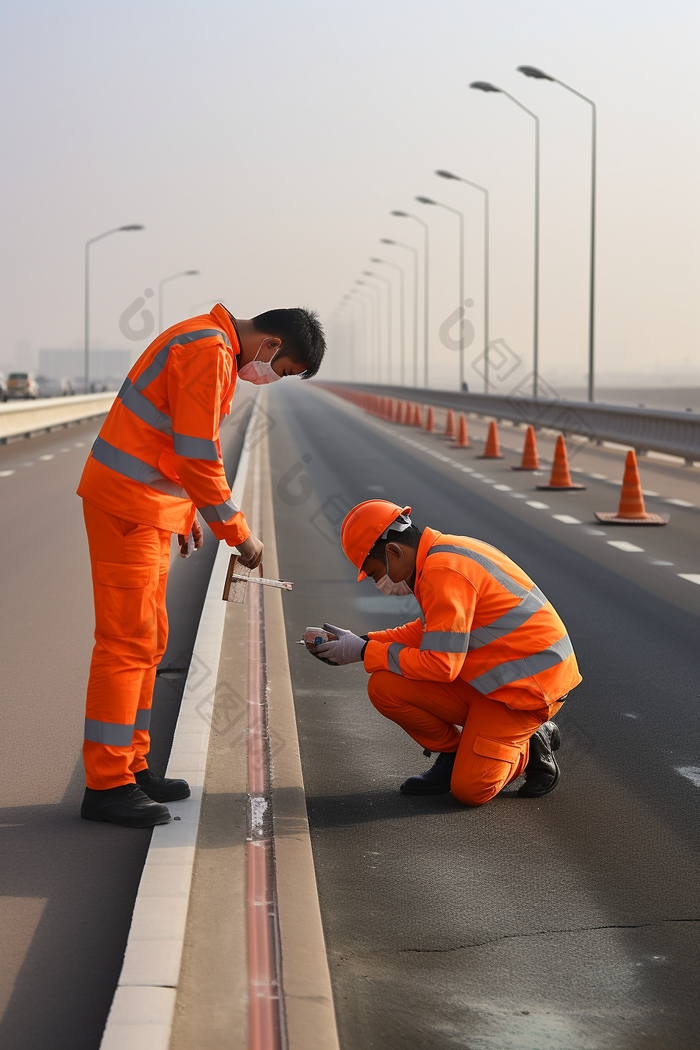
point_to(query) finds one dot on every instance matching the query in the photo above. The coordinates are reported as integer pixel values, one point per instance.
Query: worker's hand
(251, 551)
(196, 536)
(347, 648)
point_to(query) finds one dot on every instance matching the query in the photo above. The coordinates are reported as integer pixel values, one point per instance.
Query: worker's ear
(395, 551)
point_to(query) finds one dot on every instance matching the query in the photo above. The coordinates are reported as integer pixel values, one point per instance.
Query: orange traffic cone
(493, 449)
(416, 416)
(450, 425)
(462, 433)
(632, 510)
(407, 413)
(430, 421)
(560, 478)
(530, 460)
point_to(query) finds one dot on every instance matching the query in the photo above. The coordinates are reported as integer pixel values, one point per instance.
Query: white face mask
(259, 372)
(396, 590)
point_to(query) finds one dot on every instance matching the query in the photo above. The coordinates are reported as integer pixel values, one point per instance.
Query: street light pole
(100, 236)
(365, 325)
(410, 248)
(482, 85)
(376, 302)
(172, 277)
(460, 216)
(458, 178)
(537, 74)
(389, 345)
(426, 287)
(402, 318)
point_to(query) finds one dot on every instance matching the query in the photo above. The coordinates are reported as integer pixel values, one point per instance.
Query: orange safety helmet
(364, 525)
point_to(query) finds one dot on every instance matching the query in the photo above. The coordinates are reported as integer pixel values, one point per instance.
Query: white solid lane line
(566, 519)
(692, 577)
(691, 773)
(624, 545)
(537, 505)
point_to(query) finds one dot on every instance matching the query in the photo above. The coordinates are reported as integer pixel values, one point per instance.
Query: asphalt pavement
(67, 887)
(566, 923)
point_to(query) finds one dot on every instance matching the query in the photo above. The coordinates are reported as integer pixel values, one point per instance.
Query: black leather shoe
(435, 781)
(162, 789)
(542, 771)
(126, 805)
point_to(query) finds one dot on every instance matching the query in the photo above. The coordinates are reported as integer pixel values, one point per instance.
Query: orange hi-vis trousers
(492, 748)
(129, 576)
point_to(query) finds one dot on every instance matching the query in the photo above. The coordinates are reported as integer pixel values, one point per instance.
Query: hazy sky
(264, 144)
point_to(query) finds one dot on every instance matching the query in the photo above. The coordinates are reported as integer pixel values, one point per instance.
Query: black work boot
(435, 781)
(542, 771)
(126, 805)
(162, 789)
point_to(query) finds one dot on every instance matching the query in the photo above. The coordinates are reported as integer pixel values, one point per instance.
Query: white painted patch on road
(680, 502)
(649, 492)
(599, 477)
(691, 773)
(628, 714)
(518, 495)
(566, 519)
(489, 481)
(536, 505)
(692, 577)
(79, 444)
(594, 532)
(503, 488)
(475, 475)
(468, 470)
(624, 545)
(658, 561)
(46, 457)
(6, 473)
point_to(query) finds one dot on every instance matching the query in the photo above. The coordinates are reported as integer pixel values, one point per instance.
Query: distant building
(107, 366)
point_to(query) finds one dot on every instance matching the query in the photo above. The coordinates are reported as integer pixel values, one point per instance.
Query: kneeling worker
(156, 461)
(489, 653)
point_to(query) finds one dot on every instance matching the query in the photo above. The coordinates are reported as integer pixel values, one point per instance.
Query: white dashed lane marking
(658, 561)
(566, 519)
(624, 545)
(691, 773)
(536, 505)
(692, 577)
(503, 488)
(595, 532)
(679, 502)
(46, 457)
(6, 473)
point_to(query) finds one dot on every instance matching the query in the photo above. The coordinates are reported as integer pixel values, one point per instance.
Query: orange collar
(223, 319)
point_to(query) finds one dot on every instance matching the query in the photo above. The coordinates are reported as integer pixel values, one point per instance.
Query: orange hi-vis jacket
(158, 456)
(483, 620)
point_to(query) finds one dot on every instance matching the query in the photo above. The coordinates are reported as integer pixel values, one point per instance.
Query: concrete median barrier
(24, 418)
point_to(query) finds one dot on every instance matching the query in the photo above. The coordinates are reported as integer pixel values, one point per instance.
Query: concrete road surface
(67, 886)
(568, 923)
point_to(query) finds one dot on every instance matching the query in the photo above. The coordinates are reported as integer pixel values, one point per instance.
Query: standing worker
(488, 653)
(157, 460)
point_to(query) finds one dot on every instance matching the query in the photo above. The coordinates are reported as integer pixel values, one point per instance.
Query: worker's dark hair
(301, 334)
(410, 537)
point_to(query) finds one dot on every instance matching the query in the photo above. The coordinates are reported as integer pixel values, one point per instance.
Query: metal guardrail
(644, 429)
(24, 418)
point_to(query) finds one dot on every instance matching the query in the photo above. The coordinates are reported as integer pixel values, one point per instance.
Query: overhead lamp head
(132, 226)
(425, 200)
(376, 260)
(533, 71)
(385, 240)
(191, 273)
(368, 273)
(402, 214)
(447, 175)
(483, 85)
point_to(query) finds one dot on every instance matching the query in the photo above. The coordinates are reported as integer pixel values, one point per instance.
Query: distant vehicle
(3, 387)
(22, 385)
(50, 387)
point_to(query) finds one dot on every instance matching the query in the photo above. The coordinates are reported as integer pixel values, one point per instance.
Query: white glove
(346, 649)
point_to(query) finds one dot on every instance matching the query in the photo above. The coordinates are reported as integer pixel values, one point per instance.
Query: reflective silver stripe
(109, 733)
(158, 363)
(131, 467)
(222, 512)
(510, 621)
(514, 670)
(445, 642)
(392, 657)
(143, 718)
(494, 570)
(194, 448)
(144, 409)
